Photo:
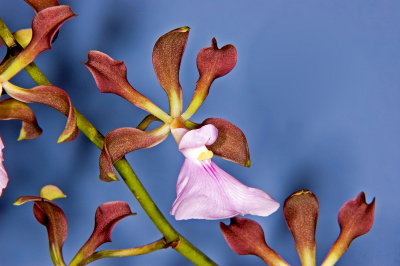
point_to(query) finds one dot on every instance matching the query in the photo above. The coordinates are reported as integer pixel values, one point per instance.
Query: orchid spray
(203, 190)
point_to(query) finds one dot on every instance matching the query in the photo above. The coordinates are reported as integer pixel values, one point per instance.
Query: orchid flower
(3, 173)
(201, 182)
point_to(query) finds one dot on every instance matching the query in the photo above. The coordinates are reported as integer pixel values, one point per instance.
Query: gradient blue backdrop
(316, 90)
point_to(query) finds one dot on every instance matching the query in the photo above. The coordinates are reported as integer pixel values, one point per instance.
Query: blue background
(316, 90)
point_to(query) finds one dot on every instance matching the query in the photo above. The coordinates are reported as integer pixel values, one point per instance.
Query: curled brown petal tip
(13, 109)
(53, 97)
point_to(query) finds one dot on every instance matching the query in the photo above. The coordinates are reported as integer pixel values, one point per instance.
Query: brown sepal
(231, 143)
(246, 237)
(53, 97)
(106, 217)
(111, 77)
(121, 141)
(301, 215)
(13, 109)
(214, 62)
(356, 216)
(167, 57)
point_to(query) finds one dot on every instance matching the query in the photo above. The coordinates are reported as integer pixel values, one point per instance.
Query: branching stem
(184, 247)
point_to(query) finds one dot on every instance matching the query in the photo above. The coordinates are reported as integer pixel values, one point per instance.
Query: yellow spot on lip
(205, 155)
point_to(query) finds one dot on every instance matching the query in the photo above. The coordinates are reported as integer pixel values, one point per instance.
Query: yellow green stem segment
(184, 247)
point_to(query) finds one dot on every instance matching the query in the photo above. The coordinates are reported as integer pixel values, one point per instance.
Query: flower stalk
(128, 175)
(157, 245)
(337, 250)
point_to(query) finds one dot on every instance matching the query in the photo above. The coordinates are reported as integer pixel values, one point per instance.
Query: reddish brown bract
(356, 216)
(13, 109)
(231, 143)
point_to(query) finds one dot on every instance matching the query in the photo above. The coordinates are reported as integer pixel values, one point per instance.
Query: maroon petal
(301, 215)
(356, 218)
(246, 237)
(51, 96)
(107, 216)
(231, 143)
(53, 218)
(110, 77)
(167, 57)
(38, 5)
(212, 63)
(44, 26)
(13, 109)
(121, 141)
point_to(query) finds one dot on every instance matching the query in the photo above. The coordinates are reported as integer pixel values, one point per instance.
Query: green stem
(6, 35)
(159, 244)
(184, 247)
(147, 121)
(135, 186)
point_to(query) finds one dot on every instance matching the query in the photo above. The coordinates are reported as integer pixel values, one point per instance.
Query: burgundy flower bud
(301, 215)
(355, 219)
(246, 237)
